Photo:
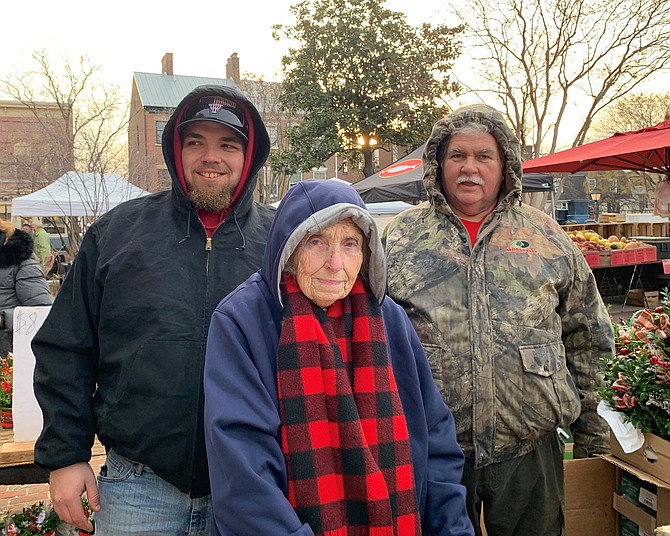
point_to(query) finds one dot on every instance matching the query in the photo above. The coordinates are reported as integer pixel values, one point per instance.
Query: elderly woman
(321, 415)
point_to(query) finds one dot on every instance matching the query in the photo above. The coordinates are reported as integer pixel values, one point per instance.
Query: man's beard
(210, 201)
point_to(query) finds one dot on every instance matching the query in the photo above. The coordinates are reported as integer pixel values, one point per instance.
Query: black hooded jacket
(132, 317)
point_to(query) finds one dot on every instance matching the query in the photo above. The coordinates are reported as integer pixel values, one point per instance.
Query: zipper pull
(208, 244)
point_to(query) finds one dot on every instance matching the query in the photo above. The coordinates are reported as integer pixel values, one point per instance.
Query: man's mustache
(475, 179)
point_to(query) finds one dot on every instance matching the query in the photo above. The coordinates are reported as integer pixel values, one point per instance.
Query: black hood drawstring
(188, 229)
(242, 247)
(239, 230)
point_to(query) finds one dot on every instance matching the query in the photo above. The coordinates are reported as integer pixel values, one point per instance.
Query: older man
(122, 352)
(510, 317)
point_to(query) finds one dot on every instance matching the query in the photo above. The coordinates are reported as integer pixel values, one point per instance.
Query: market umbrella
(401, 181)
(647, 149)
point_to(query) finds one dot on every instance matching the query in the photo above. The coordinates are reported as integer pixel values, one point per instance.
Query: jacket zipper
(208, 248)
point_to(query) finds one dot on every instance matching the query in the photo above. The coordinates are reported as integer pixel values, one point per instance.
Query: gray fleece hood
(500, 130)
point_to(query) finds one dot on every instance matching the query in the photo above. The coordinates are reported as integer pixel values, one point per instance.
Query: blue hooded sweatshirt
(242, 422)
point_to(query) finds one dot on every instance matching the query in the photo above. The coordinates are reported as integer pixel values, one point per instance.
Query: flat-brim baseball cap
(218, 110)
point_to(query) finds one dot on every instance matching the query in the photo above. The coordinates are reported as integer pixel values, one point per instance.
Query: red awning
(647, 149)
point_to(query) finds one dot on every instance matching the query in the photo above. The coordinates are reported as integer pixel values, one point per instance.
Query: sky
(133, 36)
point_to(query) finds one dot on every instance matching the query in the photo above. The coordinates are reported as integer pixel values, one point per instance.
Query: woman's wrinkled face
(328, 263)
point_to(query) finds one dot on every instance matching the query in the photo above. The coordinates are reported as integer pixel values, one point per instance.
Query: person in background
(22, 281)
(42, 242)
(121, 355)
(27, 228)
(321, 415)
(511, 320)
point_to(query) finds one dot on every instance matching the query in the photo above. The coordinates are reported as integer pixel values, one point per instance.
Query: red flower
(620, 385)
(624, 402)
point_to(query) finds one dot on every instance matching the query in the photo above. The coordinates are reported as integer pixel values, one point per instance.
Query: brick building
(34, 148)
(155, 96)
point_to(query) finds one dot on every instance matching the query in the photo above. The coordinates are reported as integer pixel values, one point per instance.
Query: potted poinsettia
(638, 376)
(33, 519)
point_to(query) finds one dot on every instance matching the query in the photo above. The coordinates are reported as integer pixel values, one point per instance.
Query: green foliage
(34, 519)
(361, 72)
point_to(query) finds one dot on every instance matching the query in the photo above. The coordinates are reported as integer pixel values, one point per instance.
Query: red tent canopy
(647, 149)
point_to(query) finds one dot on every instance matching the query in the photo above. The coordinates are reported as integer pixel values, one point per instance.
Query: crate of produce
(606, 257)
(650, 254)
(638, 255)
(592, 258)
(662, 245)
(621, 257)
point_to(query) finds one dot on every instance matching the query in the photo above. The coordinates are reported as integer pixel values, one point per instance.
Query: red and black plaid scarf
(343, 430)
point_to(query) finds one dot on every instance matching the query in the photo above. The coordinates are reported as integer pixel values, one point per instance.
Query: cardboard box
(649, 299)
(647, 519)
(653, 458)
(628, 528)
(589, 484)
(646, 522)
(611, 217)
(638, 491)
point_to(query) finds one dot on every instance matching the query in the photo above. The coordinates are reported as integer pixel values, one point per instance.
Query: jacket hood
(499, 129)
(309, 207)
(257, 151)
(18, 248)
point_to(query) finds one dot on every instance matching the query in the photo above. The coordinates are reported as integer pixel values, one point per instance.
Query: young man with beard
(511, 320)
(121, 354)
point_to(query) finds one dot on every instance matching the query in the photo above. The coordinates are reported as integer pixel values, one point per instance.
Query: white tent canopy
(77, 194)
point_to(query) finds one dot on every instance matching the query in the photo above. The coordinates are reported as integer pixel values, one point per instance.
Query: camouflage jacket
(514, 326)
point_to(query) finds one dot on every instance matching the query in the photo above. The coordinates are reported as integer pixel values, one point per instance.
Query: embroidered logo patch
(218, 103)
(520, 246)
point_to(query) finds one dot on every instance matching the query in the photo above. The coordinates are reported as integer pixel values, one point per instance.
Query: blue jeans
(134, 500)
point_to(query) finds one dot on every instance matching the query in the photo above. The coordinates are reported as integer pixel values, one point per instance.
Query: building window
(375, 158)
(272, 132)
(160, 127)
(295, 178)
(21, 149)
(319, 173)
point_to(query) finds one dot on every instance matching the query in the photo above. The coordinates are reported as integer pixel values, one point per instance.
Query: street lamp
(595, 197)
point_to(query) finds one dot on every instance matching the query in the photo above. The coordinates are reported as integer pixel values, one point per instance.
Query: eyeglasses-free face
(328, 263)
